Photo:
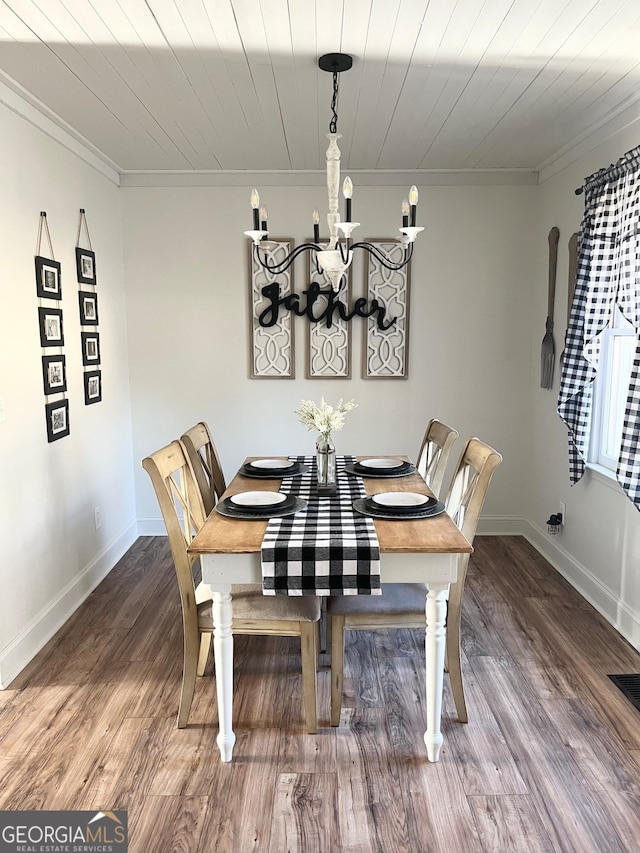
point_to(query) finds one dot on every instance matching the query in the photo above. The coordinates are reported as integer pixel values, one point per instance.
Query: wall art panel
(386, 350)
(272, 338)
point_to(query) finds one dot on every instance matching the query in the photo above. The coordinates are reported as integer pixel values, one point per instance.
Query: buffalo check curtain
(327, 548)
(608, 275)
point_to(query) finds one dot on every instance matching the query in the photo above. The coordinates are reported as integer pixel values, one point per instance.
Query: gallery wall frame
(54, 374)
(90, 348)
(85, 266)
(48, 278)
(57, 418)
(88, 303)
(51, 328)
(92, 387)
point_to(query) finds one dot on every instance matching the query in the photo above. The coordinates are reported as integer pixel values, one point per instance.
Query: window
(610, 392)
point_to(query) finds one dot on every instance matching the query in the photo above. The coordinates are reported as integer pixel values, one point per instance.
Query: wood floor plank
(130, 743)
(510, 823)
(370, 792)
(167, 825)
(485, 762)
(305, 814)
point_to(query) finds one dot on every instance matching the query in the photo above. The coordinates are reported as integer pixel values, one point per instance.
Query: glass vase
(326, 462)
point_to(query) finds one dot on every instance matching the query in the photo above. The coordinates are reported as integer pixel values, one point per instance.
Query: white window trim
(598, 460)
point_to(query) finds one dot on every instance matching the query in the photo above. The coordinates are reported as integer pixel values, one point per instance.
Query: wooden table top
(436, 535)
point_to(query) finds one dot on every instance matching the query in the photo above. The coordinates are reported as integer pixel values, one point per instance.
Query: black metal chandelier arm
(380, 256)
(284, 265)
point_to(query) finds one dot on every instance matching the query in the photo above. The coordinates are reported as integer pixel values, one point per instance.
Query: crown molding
(20, 101)
(610, 126)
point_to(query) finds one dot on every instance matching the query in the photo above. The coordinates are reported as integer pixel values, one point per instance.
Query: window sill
(603, 475)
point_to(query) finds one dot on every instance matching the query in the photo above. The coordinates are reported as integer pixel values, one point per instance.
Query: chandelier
(334, 257)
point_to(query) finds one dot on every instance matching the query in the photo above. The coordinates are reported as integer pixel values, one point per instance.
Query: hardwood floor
(550, 760)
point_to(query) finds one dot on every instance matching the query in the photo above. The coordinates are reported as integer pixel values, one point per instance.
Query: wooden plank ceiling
(234, 84)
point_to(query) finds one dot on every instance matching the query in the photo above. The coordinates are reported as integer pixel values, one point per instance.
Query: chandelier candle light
(334, 258)
(325, 420)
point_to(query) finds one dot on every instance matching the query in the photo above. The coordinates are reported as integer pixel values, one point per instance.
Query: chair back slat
(434, 453)
(202, 453)
(182, 510)
(469, 485)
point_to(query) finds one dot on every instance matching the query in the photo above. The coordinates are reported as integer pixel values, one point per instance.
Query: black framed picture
(90, 347)
(51, 331)
(48, 278)
(92, 387)
(57, 415)
(54, 374)
(88, 308)
(86, 266)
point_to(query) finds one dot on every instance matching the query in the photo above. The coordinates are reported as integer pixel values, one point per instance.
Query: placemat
(326, 549)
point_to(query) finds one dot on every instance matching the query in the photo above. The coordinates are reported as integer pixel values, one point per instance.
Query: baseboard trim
(605, 601)
(151, 527)
(23, 648)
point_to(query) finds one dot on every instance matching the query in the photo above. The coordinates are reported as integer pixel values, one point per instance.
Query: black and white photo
(54, 374)
(86, 266)
(51, 331)
(57, 416)
(92, 387)
(88, 308)
(90, 347)
(48, 278)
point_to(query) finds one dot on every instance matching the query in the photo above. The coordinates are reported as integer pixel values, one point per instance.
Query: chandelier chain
(333, 124)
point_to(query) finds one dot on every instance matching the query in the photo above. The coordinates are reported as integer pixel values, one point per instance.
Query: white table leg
(223, 656)
(436, 612)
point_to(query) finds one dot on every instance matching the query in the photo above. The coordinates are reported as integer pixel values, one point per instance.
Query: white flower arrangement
(324, 419)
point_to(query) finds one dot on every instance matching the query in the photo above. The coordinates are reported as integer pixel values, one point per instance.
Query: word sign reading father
(292, 302)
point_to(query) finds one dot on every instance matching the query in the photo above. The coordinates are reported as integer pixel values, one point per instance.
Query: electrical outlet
(97, 517)
(562, 509)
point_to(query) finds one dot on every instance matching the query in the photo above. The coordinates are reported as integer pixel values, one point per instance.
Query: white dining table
(424, 550)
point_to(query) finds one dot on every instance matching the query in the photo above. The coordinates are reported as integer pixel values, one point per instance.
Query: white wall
(599, 547)
(186, 268)
(51, 556)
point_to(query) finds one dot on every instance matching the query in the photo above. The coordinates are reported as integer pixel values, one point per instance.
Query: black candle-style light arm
(382, 258)
(283, 266)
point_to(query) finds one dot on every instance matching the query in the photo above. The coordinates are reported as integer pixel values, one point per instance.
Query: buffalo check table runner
(325, 549)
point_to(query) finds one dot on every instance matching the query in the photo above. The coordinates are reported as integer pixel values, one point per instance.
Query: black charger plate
(380, 473)
(290, 506)
(365, 506)
(273, 473)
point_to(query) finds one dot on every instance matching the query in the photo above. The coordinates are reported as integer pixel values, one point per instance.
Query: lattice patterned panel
(386, 354)
(272, 347)
(328, 349)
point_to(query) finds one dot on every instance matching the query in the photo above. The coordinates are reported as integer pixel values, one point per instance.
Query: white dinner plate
(272, 463)
(381, 463)
(258, 498)
(403, 499)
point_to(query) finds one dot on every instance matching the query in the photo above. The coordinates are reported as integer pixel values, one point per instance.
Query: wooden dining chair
(402, 605)
(437, 442)
(205, 462)
(183, 512)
